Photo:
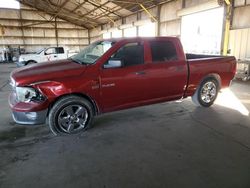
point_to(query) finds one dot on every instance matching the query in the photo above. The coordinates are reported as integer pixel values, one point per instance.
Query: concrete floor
(165, 145)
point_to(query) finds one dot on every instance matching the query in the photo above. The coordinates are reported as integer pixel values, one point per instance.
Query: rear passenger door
(166, 73)
(50, 54)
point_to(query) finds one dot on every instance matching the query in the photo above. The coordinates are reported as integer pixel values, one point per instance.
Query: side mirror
(113, 64)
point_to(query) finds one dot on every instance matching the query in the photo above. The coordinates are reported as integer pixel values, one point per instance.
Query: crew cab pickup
(47, 54)
(112, 75)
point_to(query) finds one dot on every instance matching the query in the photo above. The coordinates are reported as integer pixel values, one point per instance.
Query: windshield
(90, 54)
(39, 51)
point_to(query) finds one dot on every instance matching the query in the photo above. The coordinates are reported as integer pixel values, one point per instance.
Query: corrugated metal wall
(32, 30)
(170, 23)
(239, 42)
(95, 34)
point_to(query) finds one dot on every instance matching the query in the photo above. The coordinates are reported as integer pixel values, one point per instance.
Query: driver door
(124, 86)
(50, 54)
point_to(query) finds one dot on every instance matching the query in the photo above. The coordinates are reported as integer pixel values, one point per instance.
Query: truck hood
(47, 71)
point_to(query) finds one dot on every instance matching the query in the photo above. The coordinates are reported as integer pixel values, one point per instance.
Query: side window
(130, 54)
(163, 51)
(60, 50)
(50, 51)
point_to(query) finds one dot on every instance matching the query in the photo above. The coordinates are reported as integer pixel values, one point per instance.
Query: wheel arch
(211, 75)
(31, 60)
(214, 76)
(91, 100)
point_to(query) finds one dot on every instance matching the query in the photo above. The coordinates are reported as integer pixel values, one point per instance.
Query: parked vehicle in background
(47, 54)
(243, 69)
(112, 75)
(8, 54)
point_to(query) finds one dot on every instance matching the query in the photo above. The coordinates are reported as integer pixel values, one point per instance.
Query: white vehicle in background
(47, 54)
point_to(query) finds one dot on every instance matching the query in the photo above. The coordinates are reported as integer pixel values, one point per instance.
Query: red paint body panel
(161, 81)
(224, 67)
(46, 72)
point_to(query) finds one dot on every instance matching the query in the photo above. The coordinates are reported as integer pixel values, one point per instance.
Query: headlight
(12, 82)
(27, 94)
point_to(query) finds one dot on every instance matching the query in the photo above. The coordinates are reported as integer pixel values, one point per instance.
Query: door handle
(140, 73)
(55, 55)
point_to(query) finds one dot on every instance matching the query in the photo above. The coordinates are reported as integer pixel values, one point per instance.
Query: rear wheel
(206, 94)
(70, 115)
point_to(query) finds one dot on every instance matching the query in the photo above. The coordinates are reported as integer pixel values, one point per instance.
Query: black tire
(199, 96)
(59, 114)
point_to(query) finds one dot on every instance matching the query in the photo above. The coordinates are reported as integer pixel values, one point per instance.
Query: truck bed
(223, 67)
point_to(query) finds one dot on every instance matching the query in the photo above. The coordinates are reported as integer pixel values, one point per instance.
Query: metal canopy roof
(90, 13)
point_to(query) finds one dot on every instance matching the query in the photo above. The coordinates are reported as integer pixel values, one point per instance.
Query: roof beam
(114, 9)
(99, 6)
(94, 9)
(78, 6)
(61, 7)
(53, 13)
(63, 16)
(148, 12)
(133, 4)
(141, 10)
(29, 20)
(78, 17)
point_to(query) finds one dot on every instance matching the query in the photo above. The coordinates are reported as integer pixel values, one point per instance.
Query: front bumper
(21, 63)
(30, 118)
(27, 113)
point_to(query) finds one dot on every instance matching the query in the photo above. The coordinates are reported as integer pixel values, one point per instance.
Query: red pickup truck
(111, 75)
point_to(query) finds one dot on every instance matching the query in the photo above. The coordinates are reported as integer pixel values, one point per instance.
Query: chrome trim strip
(41, 82)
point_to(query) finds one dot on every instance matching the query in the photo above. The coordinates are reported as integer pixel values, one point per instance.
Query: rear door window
(59, 50)
(163, 51)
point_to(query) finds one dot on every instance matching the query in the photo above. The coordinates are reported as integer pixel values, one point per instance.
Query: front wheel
(69, 115)
(207, 92)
